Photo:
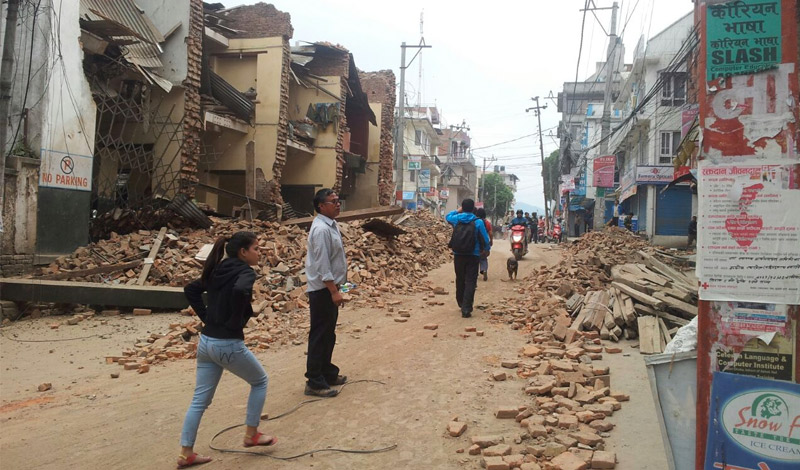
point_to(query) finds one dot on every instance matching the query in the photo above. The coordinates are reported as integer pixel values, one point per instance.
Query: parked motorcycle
(556, 233)
(540, 233)
(518, 247)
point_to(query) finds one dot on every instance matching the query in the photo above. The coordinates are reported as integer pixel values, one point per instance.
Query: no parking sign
(65, 170)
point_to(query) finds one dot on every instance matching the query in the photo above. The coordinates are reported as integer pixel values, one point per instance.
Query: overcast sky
(487, 60)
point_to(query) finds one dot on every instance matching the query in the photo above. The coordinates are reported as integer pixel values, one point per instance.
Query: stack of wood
(611, 283)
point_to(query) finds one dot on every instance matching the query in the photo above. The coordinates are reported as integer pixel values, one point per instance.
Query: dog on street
(512, 265)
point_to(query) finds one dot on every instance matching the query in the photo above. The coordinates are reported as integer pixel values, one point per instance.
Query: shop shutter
(673, 211)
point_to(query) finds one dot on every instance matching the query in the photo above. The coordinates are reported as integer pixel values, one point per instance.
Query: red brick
(456, 429)
(569, 461)
(497, 450)
(603, 459)
(474, 449)
(494, 463)
(142, 311)
(506, 412)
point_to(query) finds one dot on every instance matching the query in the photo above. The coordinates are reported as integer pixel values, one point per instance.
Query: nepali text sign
(444, 193)
(580, 186)
(753, 424)
(655, 174)
(424, 180)
(743, 37)
(749, 232)
(627, 184)
(65, 170)
(603, 176)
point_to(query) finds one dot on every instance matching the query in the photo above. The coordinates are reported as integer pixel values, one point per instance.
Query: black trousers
(466, 267)
(321, 339)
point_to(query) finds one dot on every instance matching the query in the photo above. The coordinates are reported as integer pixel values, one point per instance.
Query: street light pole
(537, 110)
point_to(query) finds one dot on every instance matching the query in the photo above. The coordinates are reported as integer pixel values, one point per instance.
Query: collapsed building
(148, 108)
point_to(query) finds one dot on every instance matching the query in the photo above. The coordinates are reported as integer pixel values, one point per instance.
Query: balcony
(463, 182)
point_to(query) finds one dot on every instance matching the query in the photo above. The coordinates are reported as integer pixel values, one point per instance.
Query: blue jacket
(519, 221)
(454, 218)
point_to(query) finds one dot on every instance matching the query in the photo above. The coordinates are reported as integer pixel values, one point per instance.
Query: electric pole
(6, 76)
(400, 130)
(483, 179)
(538, 111)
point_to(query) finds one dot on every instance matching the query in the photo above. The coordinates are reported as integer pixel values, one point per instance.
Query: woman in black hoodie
(229, 283)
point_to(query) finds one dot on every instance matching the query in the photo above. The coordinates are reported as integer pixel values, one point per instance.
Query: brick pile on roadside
(561, 419)
(608, 282)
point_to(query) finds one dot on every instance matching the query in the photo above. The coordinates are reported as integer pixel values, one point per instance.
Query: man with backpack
(469, 239)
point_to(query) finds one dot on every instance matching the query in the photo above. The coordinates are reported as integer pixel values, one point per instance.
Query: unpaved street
(89, 420)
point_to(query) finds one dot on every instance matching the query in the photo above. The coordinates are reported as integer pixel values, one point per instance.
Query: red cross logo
(705, 285)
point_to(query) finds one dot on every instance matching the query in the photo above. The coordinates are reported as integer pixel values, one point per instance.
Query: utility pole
(400, 131)
(537, 110)
(6, 75)
(610, 65)
(483, 178)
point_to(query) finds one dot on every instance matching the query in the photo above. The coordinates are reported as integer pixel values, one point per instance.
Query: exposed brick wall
(380, 88)
(261, 20)
(283, 127)
(192, 121)
(15, 265)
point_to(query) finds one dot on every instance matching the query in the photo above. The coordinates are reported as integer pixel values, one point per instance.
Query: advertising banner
(424, 181)
(743, 37)
(408, 195)
(627, 184)
(655, 175)
(65, 170)
(748, 233)
(754, 424)
(603, 176)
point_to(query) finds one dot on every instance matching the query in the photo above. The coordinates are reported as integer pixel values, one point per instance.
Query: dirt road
(89, 420)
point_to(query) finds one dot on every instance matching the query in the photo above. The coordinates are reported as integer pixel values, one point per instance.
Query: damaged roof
(122, 13)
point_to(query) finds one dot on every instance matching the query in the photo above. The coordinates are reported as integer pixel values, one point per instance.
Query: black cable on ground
(315, 451)
(47, 340)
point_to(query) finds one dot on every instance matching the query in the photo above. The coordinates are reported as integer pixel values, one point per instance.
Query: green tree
(551, 176)
(497, 196)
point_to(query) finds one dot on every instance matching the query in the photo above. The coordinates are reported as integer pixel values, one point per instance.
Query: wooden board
(681, 308)
(639, 296)
(109, 268)
(152, 256)
(91, 293)
(351, 215)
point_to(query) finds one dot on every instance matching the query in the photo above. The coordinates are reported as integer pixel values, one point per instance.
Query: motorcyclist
(530, 226)
(520, 220)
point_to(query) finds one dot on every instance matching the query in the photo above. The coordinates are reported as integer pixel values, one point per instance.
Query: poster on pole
(603, 176)
(743, 37)
(748, 242)
(754, 424)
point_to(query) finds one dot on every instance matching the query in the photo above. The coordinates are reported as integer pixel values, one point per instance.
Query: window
(670, 140)
(417, 137)
(673, 92)
(577, 133)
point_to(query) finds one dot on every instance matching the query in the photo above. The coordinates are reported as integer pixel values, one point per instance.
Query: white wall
(165, 14)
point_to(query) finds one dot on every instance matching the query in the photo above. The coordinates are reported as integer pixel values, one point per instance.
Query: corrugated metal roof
(229, 96)
(143, 54)
(126, 14)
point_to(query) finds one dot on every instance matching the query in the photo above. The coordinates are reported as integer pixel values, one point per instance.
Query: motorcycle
(540, 233)
(518, 242)
(556, 238)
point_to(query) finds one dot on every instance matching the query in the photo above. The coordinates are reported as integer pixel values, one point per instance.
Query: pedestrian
(484, 263)
(530, 227)
(589, 222)
(468, 241)
(326, 270)
(229, 284)
(629, 221)
(692, 232)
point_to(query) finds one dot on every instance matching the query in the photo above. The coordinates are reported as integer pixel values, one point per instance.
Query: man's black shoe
(321, 392)
(466, 314)
(339, 380)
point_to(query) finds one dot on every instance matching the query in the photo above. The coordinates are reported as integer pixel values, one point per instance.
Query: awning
(579, 203)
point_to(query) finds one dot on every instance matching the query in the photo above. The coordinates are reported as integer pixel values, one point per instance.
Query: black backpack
(463, 239)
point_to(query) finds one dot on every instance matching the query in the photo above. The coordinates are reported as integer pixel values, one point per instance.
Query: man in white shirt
(326, 270)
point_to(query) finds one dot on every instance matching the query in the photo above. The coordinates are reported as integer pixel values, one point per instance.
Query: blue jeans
(213, 356)
(484, 264)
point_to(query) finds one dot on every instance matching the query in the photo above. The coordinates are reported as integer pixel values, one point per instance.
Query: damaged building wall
(67, 145)
(192, 122)
(367, 184)
(381, 93)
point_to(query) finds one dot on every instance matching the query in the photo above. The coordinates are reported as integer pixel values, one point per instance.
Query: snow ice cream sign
(766, 423)
(756, 424)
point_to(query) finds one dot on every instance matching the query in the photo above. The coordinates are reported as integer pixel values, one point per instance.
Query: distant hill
(528, 208)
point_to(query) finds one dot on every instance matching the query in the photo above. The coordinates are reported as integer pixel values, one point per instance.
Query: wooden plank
(663, 268)
(664, 333)
(152, 256)
(681, 295)
(631, 281)
(628, 311)
(616, 308)
(109, 268)
(351, 215)
(645, 310)
(639, 296)
(681, 308)
(91, 293)
(240, 197)
(645, 331)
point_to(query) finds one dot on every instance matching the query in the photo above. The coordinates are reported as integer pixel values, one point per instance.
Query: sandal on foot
(255, 438)
(194, 459)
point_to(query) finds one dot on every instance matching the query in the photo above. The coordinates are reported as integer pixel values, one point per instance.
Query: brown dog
(512, 265)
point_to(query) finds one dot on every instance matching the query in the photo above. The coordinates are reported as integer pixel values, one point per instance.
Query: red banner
(604, 171)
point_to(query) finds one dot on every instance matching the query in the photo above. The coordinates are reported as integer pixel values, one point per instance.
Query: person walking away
(533, 224)
(468, 240)
(326, 270)
(484, 261)
(589, 222)
(229, 284)
(692, 232)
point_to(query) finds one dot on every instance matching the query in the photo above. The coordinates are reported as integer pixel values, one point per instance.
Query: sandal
(193, 459)
(255, 439)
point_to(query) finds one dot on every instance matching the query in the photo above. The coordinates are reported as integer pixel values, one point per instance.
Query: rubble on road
(612, 283)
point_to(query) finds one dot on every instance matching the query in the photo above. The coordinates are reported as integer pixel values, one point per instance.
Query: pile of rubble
(565, 425)
(612, 283)
(377, 265)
